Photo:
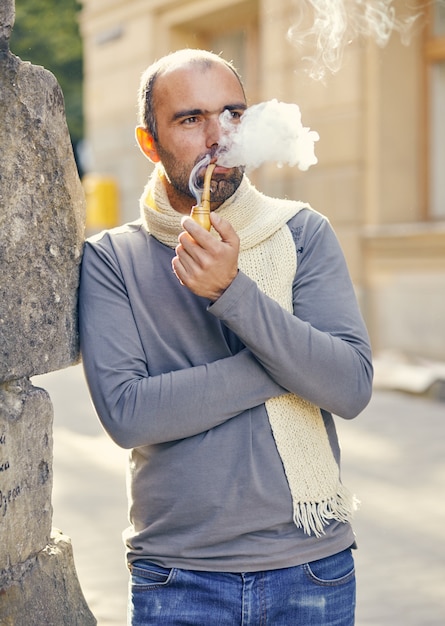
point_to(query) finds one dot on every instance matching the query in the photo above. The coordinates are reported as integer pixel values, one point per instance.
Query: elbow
(122, 417)
(119, 432)
(120, 424)
(123, 439)
(359, 394)
(129, 426)
(356, 405)
(119, 410)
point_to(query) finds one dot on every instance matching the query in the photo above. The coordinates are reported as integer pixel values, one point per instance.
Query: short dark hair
(204, 58)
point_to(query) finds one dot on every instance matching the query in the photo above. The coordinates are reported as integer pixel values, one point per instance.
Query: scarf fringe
(312, 517)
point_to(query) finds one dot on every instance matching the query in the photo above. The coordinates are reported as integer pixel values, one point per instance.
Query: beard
(223, 185)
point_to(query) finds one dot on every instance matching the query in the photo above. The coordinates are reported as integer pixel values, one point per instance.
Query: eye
(193, 119)
(233, 115)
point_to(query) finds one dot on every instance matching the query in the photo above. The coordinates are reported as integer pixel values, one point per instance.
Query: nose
(213, 131)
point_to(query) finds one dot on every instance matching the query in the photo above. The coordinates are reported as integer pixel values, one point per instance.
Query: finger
(224, 229)
(178, 270)
(189, 252)
(187, 243)
(197, 232)
(183, 259)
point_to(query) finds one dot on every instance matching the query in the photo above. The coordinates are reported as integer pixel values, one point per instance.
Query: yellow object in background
(102, 202)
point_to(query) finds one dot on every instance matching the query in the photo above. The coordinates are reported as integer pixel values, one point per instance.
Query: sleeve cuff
(236, 290)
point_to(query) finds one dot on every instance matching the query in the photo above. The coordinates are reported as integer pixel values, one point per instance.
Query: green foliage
(46, 32)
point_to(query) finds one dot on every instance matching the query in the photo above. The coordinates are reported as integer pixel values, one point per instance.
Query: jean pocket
(149, 575)
(333, 570)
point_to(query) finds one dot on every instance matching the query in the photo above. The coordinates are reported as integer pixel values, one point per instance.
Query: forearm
(319, 351)
(316, 365)
(139, 403)
(138, 410)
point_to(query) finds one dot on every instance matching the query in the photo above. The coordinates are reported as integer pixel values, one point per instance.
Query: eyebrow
(192, 112)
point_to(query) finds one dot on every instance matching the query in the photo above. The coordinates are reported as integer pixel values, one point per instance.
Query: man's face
(188, 102)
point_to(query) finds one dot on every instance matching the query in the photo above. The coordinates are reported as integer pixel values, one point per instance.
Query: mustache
(196, 178)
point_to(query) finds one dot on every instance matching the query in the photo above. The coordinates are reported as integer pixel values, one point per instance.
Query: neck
(180, 202)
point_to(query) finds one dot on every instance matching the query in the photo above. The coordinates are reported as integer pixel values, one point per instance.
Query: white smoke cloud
(323, 28)
(272, 131)
(267, 132)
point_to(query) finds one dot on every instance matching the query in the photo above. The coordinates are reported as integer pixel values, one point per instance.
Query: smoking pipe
(201, 214)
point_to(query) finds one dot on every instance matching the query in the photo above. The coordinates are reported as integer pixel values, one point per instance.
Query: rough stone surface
(46, 592)
(42, 217)
(26, 415)
(7, 13)
(42, 210)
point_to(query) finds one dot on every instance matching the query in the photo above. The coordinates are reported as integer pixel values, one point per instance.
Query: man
(221, 376)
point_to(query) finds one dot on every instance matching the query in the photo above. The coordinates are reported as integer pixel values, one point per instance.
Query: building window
(230, 30)
(233, 46)
(435, 61)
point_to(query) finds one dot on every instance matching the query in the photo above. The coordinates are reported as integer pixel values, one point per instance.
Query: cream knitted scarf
(267, 250)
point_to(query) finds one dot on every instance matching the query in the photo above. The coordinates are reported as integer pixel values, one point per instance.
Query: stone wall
(41, 233)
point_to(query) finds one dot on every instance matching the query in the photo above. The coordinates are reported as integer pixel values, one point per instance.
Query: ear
(147, 144)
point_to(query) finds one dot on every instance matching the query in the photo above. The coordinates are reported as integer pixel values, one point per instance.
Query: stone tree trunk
(41, 235)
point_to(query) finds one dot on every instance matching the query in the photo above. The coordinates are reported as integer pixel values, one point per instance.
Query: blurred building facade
(381, 172)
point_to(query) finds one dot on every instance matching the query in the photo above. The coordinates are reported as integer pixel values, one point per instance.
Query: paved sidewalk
(393, 458)
(89, 498)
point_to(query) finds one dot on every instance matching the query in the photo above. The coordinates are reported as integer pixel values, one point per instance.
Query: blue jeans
(321, 593)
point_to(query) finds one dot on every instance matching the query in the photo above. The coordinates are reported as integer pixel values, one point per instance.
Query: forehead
(197, 86)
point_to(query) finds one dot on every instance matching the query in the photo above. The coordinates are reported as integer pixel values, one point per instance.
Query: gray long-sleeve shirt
(183, 383)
